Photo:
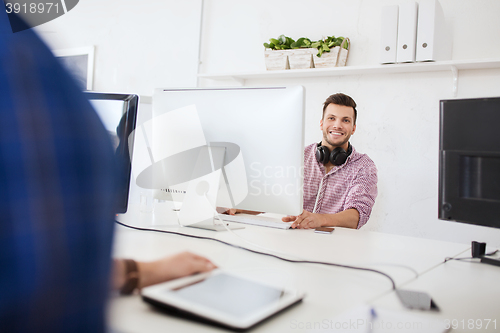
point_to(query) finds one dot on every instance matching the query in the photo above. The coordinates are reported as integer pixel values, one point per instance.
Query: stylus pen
(373, 316)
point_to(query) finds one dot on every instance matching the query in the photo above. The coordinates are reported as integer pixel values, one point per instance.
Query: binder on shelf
(389, 34)
(433, 38)
(407, 32)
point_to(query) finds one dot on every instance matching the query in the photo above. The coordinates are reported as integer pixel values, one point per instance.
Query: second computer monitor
(261, 130)
(118, 113)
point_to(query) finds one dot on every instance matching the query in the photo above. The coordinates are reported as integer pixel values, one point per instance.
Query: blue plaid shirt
(56, 195)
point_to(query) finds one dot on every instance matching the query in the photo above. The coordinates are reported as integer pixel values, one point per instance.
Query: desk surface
(467, 293)
(329, 290)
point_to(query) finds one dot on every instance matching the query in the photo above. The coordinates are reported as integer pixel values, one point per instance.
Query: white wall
(139, 46)
(398, 113)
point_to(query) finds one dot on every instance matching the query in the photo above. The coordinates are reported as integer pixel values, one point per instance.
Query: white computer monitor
(261, 130)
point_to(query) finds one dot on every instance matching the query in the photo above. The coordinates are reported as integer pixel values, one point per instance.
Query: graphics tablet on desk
(221, 298)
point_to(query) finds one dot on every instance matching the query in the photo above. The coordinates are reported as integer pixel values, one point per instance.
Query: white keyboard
(263, 221)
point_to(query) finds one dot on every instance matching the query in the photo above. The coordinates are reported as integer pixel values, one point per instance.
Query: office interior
(140, 46)
(168, 44)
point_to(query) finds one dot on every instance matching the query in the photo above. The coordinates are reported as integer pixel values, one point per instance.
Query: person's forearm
(348, 219)
(251, 212)
(118, 277)
(233, 211)
(149, 274)
(161, 270)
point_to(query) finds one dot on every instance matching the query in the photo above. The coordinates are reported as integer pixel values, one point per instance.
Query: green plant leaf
(283, 43)
(301, 42)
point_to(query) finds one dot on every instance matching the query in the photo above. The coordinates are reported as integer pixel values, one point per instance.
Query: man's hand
(228, 211)
(306, 220)
(347, 219)
(173, 267)
(234, 211)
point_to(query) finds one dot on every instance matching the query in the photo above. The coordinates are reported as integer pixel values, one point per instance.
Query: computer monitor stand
(199, 205)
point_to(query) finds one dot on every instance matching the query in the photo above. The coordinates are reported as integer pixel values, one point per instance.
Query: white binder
(407, 31)
(389, 34)
(433, 39)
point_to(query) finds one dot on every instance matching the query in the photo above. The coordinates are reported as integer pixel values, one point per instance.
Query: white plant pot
(343, 53)
(342, 57)
(327, 59)
(276, 60)
(301, 58)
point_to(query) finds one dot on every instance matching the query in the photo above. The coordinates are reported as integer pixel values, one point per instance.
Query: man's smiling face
(337, 126)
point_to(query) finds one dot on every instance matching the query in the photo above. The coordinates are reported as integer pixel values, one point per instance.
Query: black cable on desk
(469, 259)
(262, 253)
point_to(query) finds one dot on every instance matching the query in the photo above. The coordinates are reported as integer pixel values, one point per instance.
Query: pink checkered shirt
(351, 185)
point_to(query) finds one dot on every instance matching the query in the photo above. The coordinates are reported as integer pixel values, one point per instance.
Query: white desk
(330, 290)
(466, 292)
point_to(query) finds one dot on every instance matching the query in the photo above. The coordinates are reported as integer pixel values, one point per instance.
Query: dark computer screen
(118, 113)
(469, 161)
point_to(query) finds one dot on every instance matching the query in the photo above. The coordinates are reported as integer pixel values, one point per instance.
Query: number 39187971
(32, 8)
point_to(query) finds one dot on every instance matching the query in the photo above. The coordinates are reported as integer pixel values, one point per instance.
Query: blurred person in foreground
(57, 189)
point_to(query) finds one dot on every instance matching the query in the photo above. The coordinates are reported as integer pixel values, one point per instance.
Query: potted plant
(301, 54)
(329, 50)
(274, 55)
(285, 53)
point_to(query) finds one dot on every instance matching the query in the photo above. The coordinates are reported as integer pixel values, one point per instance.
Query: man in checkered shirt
(338, 191)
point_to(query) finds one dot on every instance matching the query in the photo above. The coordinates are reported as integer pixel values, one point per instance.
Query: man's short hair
(341, 99)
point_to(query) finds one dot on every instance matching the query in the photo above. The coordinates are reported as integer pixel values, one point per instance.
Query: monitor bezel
(452, 205)
(131, 105)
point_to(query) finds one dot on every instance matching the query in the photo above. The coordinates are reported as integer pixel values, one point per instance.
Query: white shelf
(453, 66)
